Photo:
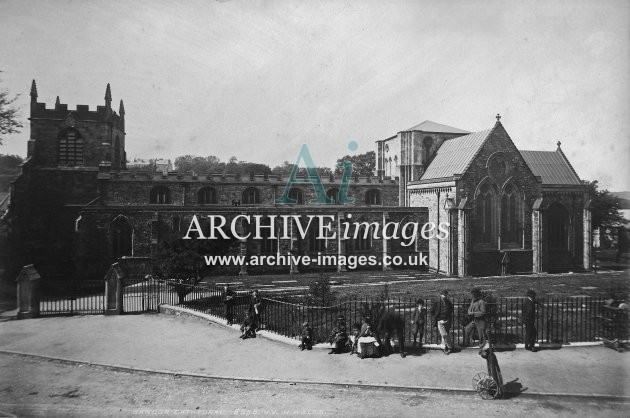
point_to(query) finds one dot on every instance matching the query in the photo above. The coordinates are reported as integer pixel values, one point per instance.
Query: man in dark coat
(256, 308)
(442, 318)
(228, 303)
(529, 320)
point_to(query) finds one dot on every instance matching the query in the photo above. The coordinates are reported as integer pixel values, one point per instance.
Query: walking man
(442, 317)
(477, 312)
(529, 320)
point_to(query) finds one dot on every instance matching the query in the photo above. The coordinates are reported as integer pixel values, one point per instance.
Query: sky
(257, 79)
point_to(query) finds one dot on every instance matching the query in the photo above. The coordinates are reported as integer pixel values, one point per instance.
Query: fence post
(28, 292)
(113, 290)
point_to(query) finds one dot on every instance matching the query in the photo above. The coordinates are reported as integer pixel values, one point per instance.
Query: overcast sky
(256, 80)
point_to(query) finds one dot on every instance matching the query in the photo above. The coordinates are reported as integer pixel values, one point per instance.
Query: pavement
(193, 346)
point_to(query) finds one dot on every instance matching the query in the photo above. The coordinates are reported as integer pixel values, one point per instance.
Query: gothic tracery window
(486, 214)
(510, 215)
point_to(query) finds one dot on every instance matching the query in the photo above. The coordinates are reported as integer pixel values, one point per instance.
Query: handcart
(613, 327)
(489, 385)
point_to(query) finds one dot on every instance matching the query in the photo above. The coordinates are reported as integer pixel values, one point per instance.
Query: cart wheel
(479, 376)
(487, 388)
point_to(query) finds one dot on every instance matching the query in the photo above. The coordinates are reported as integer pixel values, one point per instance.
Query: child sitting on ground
(248, 329)
(307, 337)
(354, 337)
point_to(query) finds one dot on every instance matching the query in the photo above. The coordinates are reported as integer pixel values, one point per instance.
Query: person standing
(442, 318)
(529, 320)
(417, 322)
(255, 308)
(228, 303)
(477, 311)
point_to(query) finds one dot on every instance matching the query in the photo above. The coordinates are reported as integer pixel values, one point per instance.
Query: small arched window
(297, 195)
(160, 195)
(250, 196)
(207, 196)
(70, 151)
(373, 197)
(333, 194)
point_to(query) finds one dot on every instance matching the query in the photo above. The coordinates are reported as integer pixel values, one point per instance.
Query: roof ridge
(487, 134)
(566, 160)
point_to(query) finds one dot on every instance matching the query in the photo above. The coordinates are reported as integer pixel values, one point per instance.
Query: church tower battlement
(77, 138)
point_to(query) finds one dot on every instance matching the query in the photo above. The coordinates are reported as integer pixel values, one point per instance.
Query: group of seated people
(361, 334)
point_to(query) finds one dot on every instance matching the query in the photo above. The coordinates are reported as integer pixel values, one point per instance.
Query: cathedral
(75, 208)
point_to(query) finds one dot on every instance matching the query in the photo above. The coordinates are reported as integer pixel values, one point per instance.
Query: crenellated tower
(77, 138)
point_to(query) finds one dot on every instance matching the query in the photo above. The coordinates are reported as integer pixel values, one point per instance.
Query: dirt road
(34, 387)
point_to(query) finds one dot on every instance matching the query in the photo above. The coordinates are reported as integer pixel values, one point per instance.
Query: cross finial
(498, 117)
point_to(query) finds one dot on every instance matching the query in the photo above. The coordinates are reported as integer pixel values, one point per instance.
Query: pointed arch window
(511, 209)
(373, 197)
(333, 193)
(160, 195)
(251, 196)
(207, 196)
(70, 151)
(297, 195)
(485, 208)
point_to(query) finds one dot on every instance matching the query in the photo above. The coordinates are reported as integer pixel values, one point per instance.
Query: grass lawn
(414, 284)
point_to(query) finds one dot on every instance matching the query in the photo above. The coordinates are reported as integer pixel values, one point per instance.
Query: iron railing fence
(71, 297)
(559, 319)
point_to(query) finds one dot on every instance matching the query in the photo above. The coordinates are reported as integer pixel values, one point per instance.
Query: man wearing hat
(477, 312)
(442, 318)
(529, 320)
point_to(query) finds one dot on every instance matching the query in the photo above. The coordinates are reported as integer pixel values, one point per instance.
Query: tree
(320, 292)
(182, 263)
(9, 164)
(8, 115)
(605, 207)
(362, 164)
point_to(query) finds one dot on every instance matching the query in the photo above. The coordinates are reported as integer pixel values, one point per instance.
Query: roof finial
(559, 143)
(57, 102)
(108, 96)
(33, 92)
(121, 108)
(498, 118)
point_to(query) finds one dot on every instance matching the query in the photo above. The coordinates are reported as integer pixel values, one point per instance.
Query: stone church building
(510, 211)
(75, 208)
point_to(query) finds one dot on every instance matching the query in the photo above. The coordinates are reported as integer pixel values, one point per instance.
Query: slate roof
(551, 166)
(430, 126)
(455, 155)
(4, 201)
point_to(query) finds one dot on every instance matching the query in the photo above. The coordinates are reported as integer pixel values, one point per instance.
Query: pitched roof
(455, 155)
(551, 166)
(430, 126)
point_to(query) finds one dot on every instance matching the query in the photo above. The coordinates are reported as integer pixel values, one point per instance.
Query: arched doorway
(558, 238)
(122, 237)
